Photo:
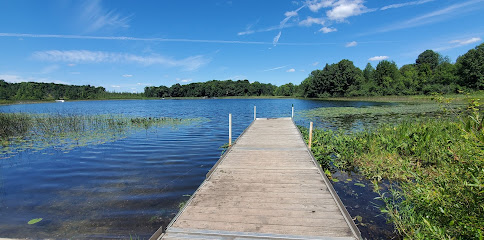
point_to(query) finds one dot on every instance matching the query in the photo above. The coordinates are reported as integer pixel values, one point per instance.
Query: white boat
(60, 100)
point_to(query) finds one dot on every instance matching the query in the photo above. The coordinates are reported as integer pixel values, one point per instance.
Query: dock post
(292, 114)
(255, 112)
(310, 134)
(230, 129)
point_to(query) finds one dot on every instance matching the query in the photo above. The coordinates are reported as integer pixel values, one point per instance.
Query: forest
(431, 73)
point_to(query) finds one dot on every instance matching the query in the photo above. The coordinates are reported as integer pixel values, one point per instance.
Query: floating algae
(21, 132)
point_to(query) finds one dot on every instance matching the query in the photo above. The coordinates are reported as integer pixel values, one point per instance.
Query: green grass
(436, 165)
(20, 131)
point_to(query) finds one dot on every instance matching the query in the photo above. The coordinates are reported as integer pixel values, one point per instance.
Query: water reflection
(130, 186)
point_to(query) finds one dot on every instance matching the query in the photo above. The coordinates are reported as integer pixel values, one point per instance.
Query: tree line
(214, 88)
(431, 73)
(53, 91)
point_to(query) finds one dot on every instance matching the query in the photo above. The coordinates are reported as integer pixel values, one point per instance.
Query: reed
(20, 131)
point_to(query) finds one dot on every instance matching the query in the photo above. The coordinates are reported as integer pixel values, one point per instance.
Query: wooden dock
(266, 186)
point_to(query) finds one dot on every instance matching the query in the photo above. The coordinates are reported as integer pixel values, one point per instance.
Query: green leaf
(360, 185)
(335, 180)
(359, 218)
(34, 221)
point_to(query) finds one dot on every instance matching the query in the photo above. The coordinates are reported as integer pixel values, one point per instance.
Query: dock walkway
(267, 186)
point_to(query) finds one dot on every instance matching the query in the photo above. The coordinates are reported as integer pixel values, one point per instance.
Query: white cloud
(276, 38)
(13, 78)
(315, 5)
(282, 24)
(310, 21)
(458, 43)
(71, 64)
(248, 32)
(291, 70)
(328, 29)
(466, 41)
(290, 14)
(272, 69)
(186, 80)
(351, 44)
(127, 75)
(115, 86)
(315, 63)
(378, 58)
(346, 8)
(432, 17)
(86, 56)
(268, 29)
(236, 77)
(399, 5)
(17, 79)
(95, 17)
(75, 73)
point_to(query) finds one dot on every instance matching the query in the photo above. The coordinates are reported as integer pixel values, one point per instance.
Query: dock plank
(268, 186)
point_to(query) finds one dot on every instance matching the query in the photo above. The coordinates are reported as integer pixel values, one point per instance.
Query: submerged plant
(20, 132)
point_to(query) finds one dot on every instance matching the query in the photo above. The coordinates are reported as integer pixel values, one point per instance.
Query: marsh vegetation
(435, 166)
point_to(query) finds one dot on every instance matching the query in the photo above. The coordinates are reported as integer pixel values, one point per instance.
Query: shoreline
(392, 98)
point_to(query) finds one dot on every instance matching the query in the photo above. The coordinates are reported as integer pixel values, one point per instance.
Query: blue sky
(127, 45)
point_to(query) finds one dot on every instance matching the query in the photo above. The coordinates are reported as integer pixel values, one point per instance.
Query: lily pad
(34, 221)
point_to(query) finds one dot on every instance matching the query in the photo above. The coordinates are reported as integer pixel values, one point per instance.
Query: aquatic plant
(34, 221)
(20, 132)
(438, 165)
(368, 117)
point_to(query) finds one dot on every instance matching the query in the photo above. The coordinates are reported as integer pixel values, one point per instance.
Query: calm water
(132, 186)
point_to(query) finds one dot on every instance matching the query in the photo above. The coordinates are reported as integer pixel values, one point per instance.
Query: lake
(129, 187)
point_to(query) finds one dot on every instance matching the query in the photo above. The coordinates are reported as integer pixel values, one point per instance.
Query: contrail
(124, 38)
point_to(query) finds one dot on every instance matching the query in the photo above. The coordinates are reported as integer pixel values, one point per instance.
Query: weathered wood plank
(269, 184)
(310, 214)
(323, 206)
(342, 231)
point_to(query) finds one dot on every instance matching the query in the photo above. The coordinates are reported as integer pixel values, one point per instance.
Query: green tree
(346, 75)
(369, 73)
(410, 80)
(470, 68)
(387, 77)
(428, 57)
(285, 90)
(307, 89)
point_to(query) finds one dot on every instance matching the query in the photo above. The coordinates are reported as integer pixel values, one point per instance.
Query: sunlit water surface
(129, 187)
